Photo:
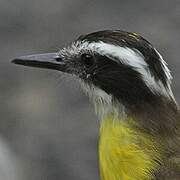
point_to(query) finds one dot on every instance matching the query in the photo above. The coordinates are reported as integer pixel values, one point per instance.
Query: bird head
(118, 70)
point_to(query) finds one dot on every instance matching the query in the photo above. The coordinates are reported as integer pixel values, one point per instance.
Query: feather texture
(126, 153)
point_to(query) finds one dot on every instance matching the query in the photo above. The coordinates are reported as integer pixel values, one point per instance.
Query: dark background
(48, 130)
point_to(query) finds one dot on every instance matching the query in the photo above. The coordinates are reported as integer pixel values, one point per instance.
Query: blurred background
(48, 129)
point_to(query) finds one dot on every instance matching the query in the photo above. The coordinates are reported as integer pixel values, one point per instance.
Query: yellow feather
(134, 35)
(125, 153)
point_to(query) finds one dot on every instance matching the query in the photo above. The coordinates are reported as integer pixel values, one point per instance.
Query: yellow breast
(126, 153)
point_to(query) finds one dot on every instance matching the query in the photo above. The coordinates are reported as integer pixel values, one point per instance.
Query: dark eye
(87, 59)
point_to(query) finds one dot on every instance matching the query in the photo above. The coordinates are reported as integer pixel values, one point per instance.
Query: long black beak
(47, 60)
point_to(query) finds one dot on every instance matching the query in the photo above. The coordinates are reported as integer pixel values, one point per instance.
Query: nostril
(58, 59)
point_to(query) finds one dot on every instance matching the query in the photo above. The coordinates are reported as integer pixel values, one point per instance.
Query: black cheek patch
(121, 81)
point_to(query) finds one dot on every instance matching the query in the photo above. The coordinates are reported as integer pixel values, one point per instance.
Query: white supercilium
(125, 55)
(135, 59)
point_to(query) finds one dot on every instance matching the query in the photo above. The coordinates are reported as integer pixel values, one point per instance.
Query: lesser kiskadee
(130, 85)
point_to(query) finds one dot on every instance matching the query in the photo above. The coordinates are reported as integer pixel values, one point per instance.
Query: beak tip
(14, 61)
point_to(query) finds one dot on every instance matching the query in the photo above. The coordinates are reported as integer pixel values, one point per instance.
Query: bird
(129, 84)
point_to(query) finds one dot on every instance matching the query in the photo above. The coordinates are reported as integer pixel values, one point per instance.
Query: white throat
(104, 103)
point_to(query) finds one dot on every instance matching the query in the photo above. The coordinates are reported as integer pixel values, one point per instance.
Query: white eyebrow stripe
(164, 65)
(135, 59)
(126, 55)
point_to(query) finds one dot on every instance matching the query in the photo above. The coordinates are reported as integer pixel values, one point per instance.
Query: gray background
(48, 130)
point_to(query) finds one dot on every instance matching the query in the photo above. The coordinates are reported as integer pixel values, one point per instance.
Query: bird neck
(125, 152)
